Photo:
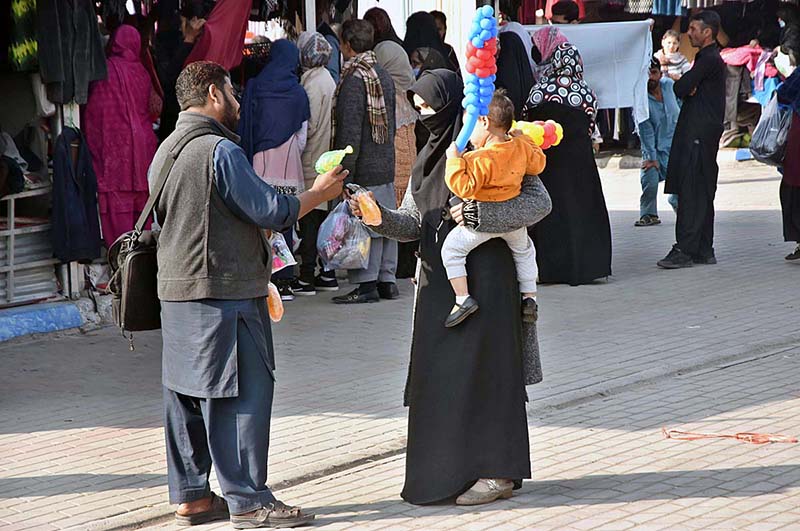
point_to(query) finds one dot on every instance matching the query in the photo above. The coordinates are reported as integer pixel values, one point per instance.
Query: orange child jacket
(494, 173)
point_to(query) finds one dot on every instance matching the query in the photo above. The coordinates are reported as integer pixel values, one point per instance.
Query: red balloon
(493, 70)
(546, 143)
(471, 49)
(484, 72)
(475, 61)
(484, 54)
(470, 68)
(549, 130)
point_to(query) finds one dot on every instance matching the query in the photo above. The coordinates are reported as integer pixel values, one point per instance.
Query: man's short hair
(193, 82)
(568, 9)
(709, 19)
(672, 33)
(440, 17)
(655, 64)
(501, 110)
(359, 34)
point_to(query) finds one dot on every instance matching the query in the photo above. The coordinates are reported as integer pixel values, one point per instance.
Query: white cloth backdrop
(616, 57)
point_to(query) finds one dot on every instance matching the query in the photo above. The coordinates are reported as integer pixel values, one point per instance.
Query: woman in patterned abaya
(573, 244)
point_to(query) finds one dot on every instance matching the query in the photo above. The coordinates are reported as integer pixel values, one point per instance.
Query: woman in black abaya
(467, 427)
(514, 72)
(573, 244)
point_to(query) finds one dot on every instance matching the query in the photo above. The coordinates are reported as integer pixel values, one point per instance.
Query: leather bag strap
(172, 156)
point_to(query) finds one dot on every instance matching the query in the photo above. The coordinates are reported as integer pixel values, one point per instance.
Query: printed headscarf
(315, 50)
(547, 40)
(563, 83)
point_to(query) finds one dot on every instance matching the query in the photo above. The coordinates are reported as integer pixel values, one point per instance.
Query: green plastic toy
(330, 159)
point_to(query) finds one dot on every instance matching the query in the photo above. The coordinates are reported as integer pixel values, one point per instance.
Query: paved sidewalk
(80, 416)
(606, 466)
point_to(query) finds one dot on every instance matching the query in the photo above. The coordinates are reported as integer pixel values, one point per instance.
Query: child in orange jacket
(493, 172)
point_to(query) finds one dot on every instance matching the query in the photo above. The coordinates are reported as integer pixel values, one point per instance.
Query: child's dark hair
(501, 110)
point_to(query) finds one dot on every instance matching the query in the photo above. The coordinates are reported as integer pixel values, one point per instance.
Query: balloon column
(543, 134)
(481, 71)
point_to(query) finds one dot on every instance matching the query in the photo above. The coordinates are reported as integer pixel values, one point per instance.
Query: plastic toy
(330, 159)
(274, 304)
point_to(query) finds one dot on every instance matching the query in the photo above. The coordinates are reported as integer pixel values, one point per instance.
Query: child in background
(673, 63)
(493, 172)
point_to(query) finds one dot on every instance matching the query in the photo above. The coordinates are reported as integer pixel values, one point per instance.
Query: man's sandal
(277, 515)
(218, 511)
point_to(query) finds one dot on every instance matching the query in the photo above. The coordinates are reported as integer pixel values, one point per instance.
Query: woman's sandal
(218, 511)
(277, 515)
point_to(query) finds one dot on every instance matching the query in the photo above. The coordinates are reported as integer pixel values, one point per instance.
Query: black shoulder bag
(133, 262)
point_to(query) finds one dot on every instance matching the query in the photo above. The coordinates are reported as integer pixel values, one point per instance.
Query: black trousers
(309, 230)
(694, 229)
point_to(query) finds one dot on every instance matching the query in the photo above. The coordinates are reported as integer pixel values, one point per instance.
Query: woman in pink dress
(119, 133)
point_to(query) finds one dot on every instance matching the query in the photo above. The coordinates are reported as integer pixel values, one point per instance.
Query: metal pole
(311, 15)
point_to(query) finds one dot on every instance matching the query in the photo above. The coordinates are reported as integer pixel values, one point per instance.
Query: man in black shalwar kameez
(693, 170)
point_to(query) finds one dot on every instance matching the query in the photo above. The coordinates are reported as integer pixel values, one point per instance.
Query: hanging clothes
(701, 4)
(119, 132)
(75, 228)
(71, 53)
(669, 8)
(23, 48)
(222, 40)
(639, 7)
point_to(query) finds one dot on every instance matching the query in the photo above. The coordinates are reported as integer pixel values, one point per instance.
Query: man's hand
(329, 185)
(192, 29)
(453, 152)
(457, 212)
(647, 164)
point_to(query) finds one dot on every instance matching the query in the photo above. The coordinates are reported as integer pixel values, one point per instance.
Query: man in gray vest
(213, 274)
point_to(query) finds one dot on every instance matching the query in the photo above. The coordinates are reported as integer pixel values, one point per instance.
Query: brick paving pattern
(80, 422)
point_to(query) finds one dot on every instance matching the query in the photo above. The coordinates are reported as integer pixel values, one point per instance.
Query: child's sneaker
(461, 312)
(323, 283)
(530, 310)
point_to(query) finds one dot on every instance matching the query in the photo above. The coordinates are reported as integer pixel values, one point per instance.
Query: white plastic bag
(343, 241)
(769, 139)
(282, 256)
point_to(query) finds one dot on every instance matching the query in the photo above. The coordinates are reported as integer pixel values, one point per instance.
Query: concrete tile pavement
(642, 480)
(81, 415)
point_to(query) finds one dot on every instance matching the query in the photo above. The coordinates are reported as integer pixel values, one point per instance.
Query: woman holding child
(467, 425)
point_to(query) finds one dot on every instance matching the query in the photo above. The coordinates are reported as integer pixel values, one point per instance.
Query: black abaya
(573, 243)
(466, 394)
(514, 71)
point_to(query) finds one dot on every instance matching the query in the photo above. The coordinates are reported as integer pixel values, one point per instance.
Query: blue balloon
(486, 89)
(486, 23)
(475, 29)
(477, 42)
(470, 88)
(466, 130)
(494, 32)
(471, 78)
(472, 109)
(484, 110)
(487, 11)
(493, 77)
(471, 99)
(485, 81)
(486, 35)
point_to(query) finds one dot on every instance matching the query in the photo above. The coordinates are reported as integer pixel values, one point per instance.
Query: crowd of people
(519, 217)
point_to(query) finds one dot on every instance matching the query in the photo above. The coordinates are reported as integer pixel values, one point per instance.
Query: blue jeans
(648, 203)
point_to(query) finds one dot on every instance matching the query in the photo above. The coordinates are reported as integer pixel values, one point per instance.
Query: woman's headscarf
(422, 32)
(274, 105)
(789, 92)
(384, 31)
(513, 71)
(547, 40)
(442, 91)
(431, 60)
(315, 50)
(563, 83)
(394, 60)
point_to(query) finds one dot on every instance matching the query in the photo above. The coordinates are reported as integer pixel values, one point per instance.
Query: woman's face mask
(417, 71)
(781, 23)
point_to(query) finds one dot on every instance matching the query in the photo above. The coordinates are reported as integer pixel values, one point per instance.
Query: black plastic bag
(769, 139)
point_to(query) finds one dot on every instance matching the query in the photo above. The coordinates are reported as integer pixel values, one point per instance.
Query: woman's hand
(457, 212)
(353, 203)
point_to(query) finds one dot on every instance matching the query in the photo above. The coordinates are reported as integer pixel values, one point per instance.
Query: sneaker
(285, 289)
(461, 312)
(530, 311)
(647, 221)
(356, 297)
(388, 291)
(303, 289)
(795, 255)
(676, 259)
(705, 260)
(322, 283)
